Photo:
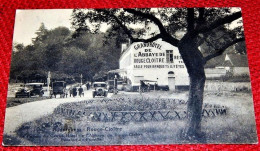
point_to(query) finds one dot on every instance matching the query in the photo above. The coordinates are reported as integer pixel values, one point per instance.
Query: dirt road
(17, 115)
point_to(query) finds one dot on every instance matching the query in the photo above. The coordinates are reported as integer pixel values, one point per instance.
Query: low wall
(214, 72)
(227, 86)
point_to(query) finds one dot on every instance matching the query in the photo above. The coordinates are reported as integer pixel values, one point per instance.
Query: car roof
(59, 82)
(99, 83)
(34, 84)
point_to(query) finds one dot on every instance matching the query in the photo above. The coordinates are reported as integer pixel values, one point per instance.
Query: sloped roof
(218, 61)
(238, 60)
(227, 63)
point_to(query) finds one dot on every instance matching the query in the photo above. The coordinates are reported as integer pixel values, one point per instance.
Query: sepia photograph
(129, 76)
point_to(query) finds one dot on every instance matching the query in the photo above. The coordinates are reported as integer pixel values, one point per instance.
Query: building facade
(156, 62)
(236, 64)
(228, 65)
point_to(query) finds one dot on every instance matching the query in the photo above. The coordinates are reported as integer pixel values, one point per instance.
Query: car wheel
(94, 95)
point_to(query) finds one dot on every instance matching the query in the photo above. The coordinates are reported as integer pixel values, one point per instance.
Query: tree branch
(219, 22)
(163, 33)
(120, 23)
(190, 19)
(201, 15)
(127, 31)
(147, 40)
(148, 16)
(222, 49)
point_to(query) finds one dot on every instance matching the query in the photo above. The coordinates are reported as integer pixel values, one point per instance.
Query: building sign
(151, 55)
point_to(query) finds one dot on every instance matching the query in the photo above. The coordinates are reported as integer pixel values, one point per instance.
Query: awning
(117, 71)
(148, 81)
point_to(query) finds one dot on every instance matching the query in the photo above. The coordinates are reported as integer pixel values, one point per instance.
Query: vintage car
(22, 93)
(30, 89)
(35, 89)
(58, 87)
(99, 89)
(110, 86)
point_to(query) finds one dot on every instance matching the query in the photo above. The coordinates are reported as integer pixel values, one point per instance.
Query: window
(169, 56)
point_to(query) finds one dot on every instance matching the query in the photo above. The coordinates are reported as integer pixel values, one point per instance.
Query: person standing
(156, 86)
(66, 92)
(71, 91)
(80, 91)
(142, 86)
(148, 87)
(88, 86)
(74, 91)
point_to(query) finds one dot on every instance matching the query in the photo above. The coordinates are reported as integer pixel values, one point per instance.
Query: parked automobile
(100, 89)
(30, 89)
(59, 87)
(35, 89)
(110, 86)
(22, 93)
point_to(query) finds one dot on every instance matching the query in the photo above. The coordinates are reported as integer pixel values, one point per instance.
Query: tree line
(66, 55)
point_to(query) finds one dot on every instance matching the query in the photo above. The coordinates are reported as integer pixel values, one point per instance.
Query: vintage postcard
(129, 76)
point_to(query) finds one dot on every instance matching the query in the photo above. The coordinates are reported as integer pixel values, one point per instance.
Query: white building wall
(215, 72)
(155, 67)
(125, 60)
(240, 70)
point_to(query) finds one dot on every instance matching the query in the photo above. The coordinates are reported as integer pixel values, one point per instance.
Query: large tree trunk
(195, 101)
(194, 62)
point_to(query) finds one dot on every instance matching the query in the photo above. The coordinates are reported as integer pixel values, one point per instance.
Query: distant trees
(65, 55)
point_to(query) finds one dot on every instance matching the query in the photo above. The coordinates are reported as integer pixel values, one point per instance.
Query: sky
(27, 22)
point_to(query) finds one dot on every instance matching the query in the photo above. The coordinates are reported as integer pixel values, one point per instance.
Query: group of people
(74, 91)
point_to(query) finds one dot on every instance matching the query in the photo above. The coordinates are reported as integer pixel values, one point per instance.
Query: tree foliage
(64, 55)
(212, 25)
